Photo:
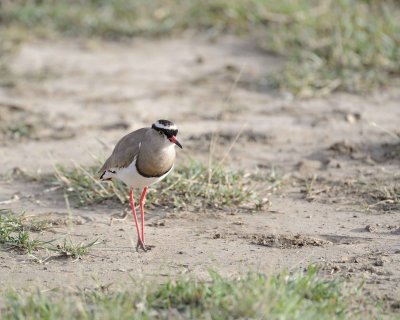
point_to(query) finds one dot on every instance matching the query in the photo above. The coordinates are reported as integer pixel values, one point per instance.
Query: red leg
(140, 240)
(141, 205)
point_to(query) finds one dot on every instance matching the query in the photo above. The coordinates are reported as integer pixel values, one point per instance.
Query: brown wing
(125, 151)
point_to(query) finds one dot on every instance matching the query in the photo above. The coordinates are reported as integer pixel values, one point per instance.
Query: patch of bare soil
(230, 136)
(287, 241)
(329, 167)
(373, 269)
(18, 124)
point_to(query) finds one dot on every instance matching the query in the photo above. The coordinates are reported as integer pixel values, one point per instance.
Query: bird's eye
(160, 133)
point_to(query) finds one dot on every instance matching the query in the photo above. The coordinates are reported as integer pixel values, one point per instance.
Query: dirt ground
(336, 206)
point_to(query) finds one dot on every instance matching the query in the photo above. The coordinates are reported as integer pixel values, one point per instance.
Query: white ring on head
(161, 126)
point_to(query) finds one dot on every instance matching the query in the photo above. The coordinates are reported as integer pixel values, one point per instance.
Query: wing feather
(125, 151)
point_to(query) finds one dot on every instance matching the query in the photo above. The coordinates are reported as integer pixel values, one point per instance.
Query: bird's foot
(141, 245)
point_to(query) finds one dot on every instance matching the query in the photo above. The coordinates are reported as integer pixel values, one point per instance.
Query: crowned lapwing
(140, 159)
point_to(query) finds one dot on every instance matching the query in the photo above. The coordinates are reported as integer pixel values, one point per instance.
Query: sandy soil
(80, 98)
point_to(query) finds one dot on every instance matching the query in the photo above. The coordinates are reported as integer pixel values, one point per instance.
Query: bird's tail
(107, 175)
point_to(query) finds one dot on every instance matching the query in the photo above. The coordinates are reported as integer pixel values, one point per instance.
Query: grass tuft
(192, 186)
(254, 296)
(16, 234)
(73, 250)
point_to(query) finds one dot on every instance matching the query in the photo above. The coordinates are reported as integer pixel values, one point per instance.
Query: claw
(140, 245)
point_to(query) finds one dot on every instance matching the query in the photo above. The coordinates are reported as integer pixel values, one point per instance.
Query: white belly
(132, 178)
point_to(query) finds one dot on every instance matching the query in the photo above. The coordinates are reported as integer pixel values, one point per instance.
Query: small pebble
(370, 228)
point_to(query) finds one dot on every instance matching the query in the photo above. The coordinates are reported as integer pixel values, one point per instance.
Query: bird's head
(168, 129)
